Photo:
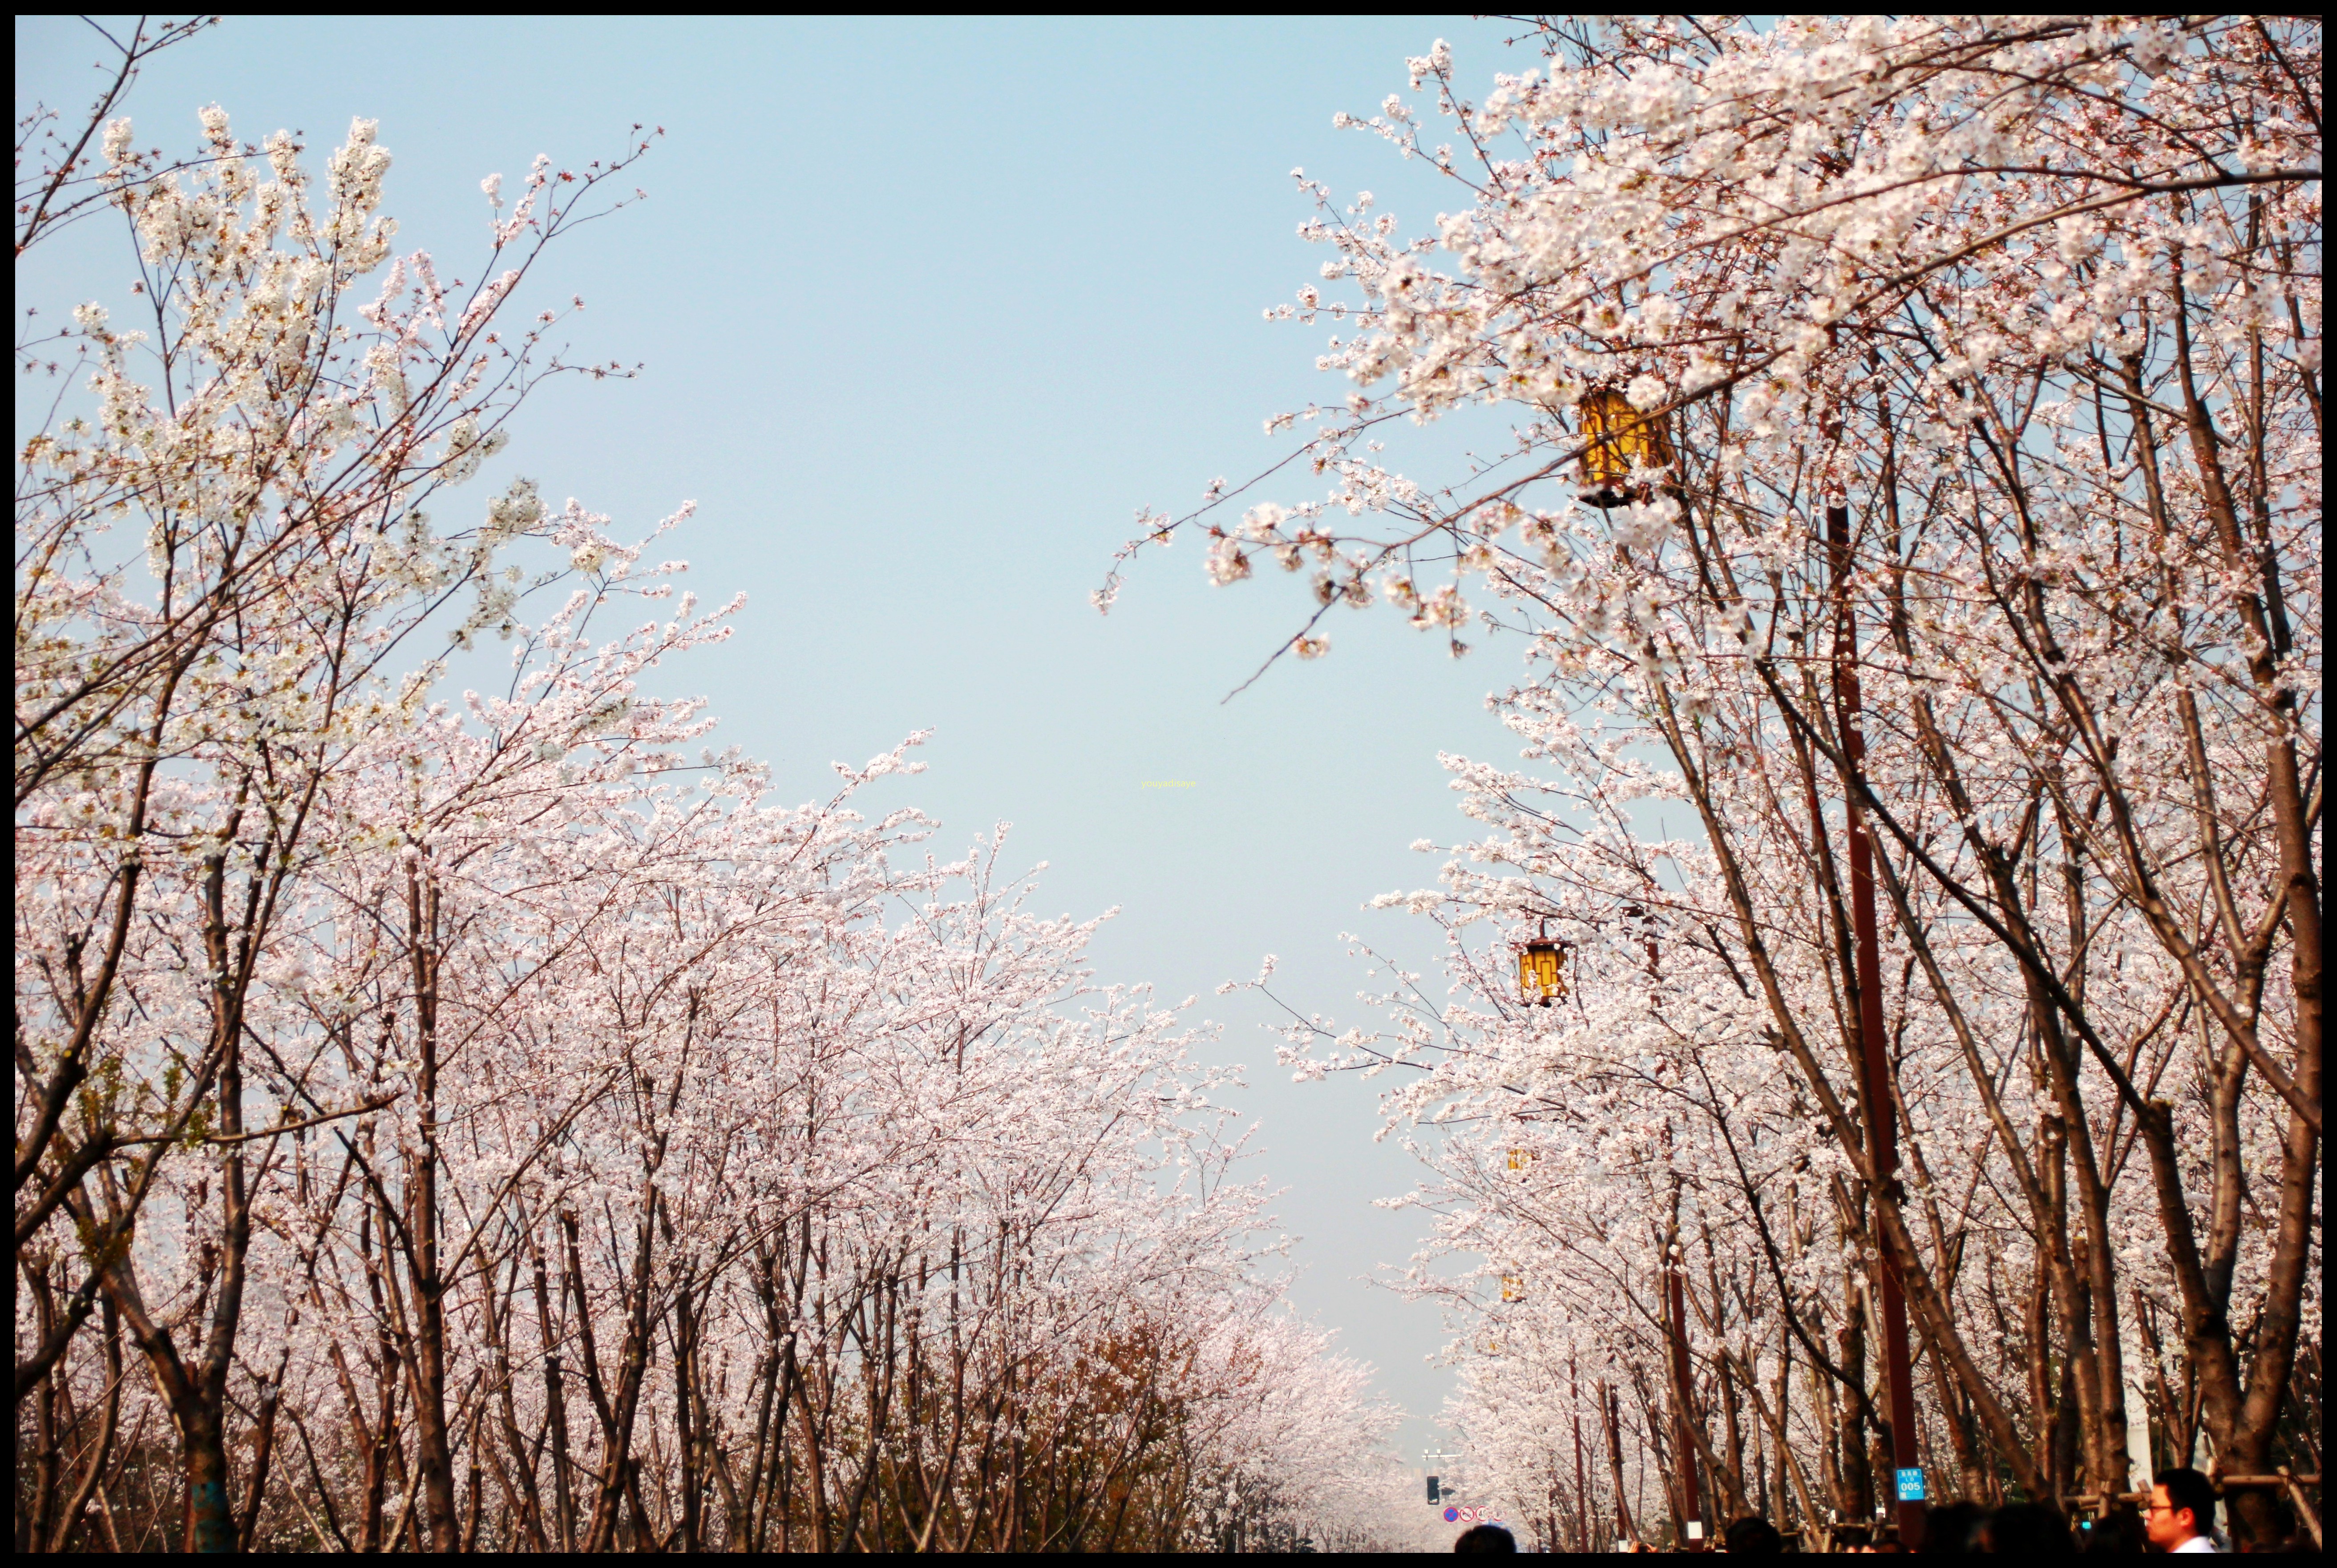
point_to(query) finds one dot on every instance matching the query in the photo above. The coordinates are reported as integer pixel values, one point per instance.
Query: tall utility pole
(1581, 1484)
(1691, 1489)
(1874, 1065)
(1683, 1437)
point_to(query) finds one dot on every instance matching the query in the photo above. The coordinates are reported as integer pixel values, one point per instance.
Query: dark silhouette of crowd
(2178, 1515)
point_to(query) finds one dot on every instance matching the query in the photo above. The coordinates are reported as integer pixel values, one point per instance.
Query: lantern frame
(1621, 440)
(1541, 971)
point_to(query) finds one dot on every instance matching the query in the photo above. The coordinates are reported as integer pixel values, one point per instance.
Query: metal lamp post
(1874, 1062)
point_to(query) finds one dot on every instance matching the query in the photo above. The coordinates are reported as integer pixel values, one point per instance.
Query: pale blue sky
(927, 309)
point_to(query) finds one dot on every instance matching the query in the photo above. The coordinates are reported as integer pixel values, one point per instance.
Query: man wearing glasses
(2182, 1512)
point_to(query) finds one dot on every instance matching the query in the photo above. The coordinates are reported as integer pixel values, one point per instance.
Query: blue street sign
(1911, 1485)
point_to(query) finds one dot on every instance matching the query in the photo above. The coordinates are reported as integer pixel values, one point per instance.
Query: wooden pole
(1874, 1065)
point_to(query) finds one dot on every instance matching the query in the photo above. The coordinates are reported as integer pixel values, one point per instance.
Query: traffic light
(1433, 1494)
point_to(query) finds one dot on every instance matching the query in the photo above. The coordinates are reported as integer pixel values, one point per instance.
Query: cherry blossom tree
(212, 571)
(1950, 391)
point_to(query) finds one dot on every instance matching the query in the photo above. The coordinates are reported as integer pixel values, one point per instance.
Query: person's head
(2182, 1505)
(1485, 1538)
(2116, 1534)
(1950, 1528)
(2031, 1529)
(1753, 1534)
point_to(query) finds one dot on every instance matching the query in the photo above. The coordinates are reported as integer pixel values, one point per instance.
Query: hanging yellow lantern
(1620, 438)
(1521, 1158)
(1541, 979)
(1513, 1287)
